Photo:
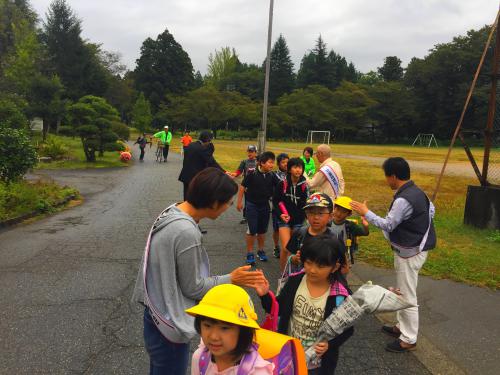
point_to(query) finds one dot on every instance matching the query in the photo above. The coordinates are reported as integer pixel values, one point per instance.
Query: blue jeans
(165, 357)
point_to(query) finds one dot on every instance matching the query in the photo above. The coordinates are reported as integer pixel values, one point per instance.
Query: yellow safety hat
(344, 202)
(228, 303)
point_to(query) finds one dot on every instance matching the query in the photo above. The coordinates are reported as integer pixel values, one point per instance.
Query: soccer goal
(427, 140)
(318, 136)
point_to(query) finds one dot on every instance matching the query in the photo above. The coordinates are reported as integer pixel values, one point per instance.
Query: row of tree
(46, 69)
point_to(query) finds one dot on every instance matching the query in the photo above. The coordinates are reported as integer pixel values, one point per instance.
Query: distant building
(36, 124)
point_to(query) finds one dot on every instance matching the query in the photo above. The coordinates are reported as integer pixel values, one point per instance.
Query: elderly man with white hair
(329, 178)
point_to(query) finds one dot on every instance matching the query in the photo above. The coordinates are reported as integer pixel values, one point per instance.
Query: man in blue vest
(409, 229)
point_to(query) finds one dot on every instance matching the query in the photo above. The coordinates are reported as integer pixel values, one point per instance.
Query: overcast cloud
(364, 31)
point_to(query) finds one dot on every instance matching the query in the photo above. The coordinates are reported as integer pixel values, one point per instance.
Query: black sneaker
(391, 331)
(395, 347)
(276, 252)
(261, 254)
(243, 221)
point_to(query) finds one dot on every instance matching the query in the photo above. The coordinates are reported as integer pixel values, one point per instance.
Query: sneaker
(250, 259)
(276, 252)
(395, 347)
(243, 221)
(261, 254)
(391, 331)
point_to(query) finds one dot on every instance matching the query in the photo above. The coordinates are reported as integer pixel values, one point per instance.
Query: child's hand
(321, 348)
(262, 288)
(285, 218)
(296, 258)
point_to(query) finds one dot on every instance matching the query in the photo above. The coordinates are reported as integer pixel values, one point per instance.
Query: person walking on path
(142, 142)
(309, 165)
(165, 137)
(175, 271)
(246, 166)
(186, 141)
(329, 179)
(410, 230)
(198, 156)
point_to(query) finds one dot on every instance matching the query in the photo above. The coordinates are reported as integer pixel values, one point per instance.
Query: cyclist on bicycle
(164, 139)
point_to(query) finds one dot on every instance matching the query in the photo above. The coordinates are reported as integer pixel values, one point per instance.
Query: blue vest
(410, 232)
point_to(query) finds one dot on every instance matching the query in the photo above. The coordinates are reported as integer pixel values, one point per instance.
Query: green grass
(75, 158)
(463, 253)
(19, 198)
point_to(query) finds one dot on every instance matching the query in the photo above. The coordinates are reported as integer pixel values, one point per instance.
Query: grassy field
(463, 253)
(75, 157)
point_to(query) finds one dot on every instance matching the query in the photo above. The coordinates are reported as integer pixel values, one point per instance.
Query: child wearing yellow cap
(226, 320)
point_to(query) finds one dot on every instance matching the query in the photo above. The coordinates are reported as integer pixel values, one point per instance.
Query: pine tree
(163, 68)
(391, 70)
(282, 79)
(141, 114)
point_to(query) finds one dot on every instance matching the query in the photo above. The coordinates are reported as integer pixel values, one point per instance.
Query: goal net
(426, 140)
(318, 136)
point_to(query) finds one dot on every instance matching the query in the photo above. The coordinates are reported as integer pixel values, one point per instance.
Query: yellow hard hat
(228, 303)
(344, 202)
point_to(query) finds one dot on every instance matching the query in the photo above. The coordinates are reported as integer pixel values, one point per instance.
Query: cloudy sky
(364, 31)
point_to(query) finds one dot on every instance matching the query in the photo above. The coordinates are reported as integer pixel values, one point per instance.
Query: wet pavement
(67, 279)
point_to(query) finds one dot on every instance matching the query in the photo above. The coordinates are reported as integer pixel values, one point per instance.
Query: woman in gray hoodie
(175, 272)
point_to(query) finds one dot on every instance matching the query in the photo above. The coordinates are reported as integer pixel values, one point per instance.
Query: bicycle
(159, 151)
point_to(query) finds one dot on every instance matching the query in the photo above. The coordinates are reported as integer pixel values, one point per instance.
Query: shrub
(68, 131)
(55, 148)
(17, 154)
(121, 130)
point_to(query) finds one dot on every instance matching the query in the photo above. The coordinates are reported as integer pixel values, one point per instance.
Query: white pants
(407, 270)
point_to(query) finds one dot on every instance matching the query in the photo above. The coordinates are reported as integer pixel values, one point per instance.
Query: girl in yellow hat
(226, 321)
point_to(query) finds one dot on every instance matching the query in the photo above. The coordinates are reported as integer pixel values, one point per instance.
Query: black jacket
(197, 157)
(286, 299)
(294, 198)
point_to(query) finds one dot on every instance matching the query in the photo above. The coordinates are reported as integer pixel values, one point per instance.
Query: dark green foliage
(141, 114)
(121, 130)
(282, 77)
(391, 70)
(440, 83)
(73, 60)
(17, 156)
(55, 148)
(163, 68)
(11, 114)
(248, 80)
(320, 67)
(92, 118)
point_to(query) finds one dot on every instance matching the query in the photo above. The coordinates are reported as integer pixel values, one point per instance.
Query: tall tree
(391, 70)
(141, 114)
(282, 79)
(74, 61)
(220, 65)
(163, 68)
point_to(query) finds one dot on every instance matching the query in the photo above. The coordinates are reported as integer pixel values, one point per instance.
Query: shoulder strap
(247, 363)
(204, 360)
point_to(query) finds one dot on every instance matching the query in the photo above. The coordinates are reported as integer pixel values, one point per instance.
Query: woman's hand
(321, 348)
(242, 276)
(262, 288)
(285, 218)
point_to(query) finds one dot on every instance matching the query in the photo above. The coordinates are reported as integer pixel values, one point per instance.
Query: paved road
(67, 280)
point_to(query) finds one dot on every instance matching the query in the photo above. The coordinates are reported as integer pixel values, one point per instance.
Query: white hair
(325, 150)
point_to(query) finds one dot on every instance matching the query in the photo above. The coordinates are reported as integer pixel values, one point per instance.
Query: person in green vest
(165, 137)
(309, 166)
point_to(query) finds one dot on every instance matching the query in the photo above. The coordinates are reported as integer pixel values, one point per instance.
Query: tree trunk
(45, 128)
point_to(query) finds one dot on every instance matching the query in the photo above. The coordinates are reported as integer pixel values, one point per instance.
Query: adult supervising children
(410, 230)
(309, 165)
(329, 179)
(258, 187)
(165, 137)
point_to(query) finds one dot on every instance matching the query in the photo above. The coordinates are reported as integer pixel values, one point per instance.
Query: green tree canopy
(391, 70)
(141, 114)
(221, 64)
(282, 78)
(163, 68)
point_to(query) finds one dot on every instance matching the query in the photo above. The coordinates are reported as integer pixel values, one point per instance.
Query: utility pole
(263, 127)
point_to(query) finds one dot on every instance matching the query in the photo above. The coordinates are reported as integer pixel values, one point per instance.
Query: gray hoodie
(178, 271)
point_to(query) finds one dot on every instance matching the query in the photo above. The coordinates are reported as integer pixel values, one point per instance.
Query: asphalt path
(67, 279)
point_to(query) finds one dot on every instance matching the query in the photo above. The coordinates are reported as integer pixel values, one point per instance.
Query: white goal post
(318, 136)
(426, 140)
